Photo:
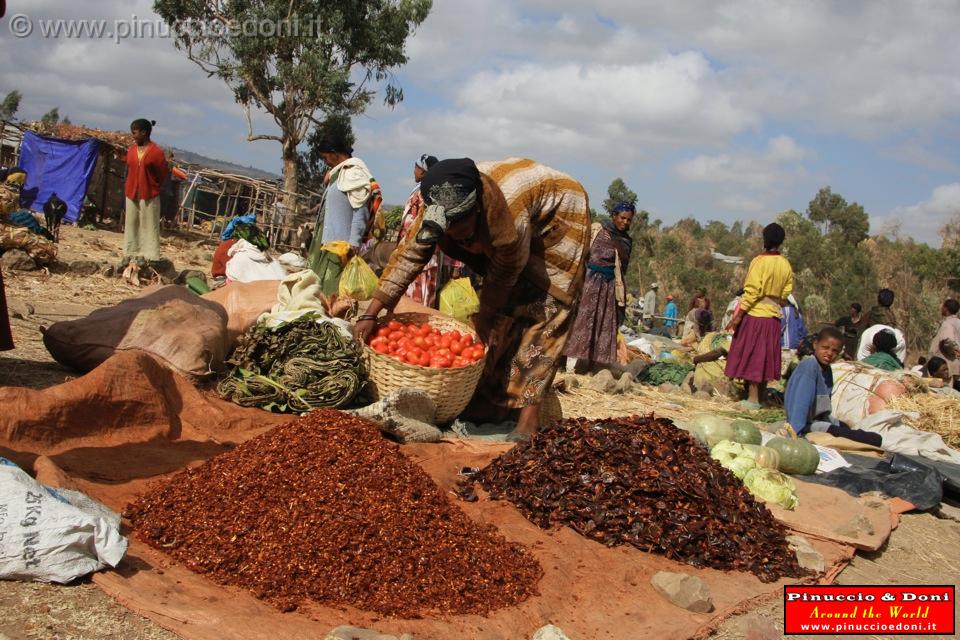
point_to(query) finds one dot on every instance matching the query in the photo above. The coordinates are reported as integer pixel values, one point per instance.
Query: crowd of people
(553, 285)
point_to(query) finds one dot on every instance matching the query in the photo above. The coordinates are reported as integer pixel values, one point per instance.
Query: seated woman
(807, 400)
(936, 367)
(711, 356)
(696, 327)
(884, 354)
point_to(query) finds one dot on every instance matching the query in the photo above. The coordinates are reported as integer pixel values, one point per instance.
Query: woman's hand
(367, 322)
(734, 323)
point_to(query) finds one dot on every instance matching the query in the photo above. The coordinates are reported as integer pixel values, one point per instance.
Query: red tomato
(456, 348)
(446, 341)
(395, 336)
(455, 335)
(430, 340)
(383, 332)
(425, 330)
(424, 359)
(459, 362)
(394, 325)
(420, 341)
(378, 340)
(442, 351)
(406, 343)
(381, 347)
(467, 340)
(413, 357)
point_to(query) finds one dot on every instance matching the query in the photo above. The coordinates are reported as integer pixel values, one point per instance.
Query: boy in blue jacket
(807, 400)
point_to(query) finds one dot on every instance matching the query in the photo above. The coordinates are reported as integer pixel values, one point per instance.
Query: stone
(807, 556)
(346, 632)
(550, 632)
(666, 387)
(702, 395)
(85, 267)
(18, 260)
(602, 381)
(624, 384)
(760, 628)
(637, 366)
(683, 590)
(19, 309)
(108, 271)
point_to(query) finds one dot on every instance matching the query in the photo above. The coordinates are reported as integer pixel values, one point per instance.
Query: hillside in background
(189, 157)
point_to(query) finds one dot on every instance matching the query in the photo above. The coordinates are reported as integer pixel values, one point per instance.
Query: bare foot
(529, 420)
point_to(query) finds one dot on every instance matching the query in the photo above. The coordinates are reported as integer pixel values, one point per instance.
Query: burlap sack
(244, 302)
(171, 323)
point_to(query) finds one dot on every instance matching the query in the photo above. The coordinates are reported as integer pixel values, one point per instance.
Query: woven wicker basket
(451, 389)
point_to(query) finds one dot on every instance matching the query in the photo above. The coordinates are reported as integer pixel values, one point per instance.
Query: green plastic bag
(358, 281)
(459, 300)
(328, 268)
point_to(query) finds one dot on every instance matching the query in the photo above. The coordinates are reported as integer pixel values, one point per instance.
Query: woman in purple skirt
(594, 335)
(755, 353)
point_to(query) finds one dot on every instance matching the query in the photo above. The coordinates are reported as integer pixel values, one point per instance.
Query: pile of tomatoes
(426, 346)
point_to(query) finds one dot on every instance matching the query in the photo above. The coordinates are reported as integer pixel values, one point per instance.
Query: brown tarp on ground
(131, 422)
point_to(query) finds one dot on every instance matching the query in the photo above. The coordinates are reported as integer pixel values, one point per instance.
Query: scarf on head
(616, 234)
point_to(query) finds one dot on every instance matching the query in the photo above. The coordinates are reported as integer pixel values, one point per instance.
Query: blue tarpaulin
(56, 166)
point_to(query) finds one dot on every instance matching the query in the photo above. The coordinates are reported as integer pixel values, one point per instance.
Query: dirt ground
(921, 551)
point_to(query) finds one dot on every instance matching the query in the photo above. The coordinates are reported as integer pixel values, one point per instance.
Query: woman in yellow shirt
(755, 353)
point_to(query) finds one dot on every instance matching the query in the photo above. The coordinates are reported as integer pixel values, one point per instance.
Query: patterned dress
(530, 248)
(424, 288)
(594, 335)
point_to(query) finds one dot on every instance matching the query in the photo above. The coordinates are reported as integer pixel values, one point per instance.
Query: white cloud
(924, 219)
(755, 171)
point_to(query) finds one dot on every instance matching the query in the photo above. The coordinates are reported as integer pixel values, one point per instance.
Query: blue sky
(719, 110)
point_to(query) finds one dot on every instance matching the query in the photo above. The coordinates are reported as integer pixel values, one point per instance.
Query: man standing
(670, 312)
(850, 325)
(881, 313)
(650, 305)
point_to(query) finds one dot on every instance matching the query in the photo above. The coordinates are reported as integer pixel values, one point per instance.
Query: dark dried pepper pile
(640, 481)
(325, 509)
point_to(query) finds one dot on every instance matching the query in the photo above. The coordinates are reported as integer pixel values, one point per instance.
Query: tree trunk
(290, 177)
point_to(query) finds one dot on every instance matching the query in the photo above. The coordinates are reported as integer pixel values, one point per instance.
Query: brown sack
(243, 303)
(171, 323)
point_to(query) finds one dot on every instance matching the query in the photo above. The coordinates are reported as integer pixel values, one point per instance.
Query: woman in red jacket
(146, 172)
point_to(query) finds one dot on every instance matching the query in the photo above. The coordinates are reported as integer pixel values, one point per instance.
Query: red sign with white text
(866, 610)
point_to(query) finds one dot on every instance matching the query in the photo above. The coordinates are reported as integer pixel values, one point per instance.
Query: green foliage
(310, 166)
(618, 192)
(295, 59)
(51, 117)
(10, 105)
(837, 217)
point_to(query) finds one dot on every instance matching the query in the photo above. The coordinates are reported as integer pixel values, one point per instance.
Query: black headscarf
(450, 189)
(885, 341)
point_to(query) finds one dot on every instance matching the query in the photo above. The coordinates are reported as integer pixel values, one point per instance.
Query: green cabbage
(733, 456)
(772, 486)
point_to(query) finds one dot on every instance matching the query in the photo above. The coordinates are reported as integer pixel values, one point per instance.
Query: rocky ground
(921, 551)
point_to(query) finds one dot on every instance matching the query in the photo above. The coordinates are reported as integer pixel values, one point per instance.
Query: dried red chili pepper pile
(324, 509)
(643, 482)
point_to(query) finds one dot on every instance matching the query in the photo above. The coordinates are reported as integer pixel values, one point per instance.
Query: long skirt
(755, 353)
(6, 336)
(525, 348)
(594, 334)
